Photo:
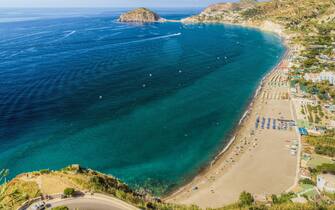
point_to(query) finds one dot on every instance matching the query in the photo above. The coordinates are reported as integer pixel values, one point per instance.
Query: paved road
(91, 204)
(96, 201)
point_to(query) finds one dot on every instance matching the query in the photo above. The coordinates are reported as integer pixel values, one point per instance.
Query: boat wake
(152, 38)
(69, 34)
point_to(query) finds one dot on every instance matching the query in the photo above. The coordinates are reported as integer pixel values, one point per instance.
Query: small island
(141, 15)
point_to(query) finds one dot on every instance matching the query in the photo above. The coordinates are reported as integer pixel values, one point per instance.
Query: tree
(317, 119)
(69, 192)
(302, 110)
(246, 199)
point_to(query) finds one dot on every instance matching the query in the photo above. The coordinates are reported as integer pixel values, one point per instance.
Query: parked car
(38, 206)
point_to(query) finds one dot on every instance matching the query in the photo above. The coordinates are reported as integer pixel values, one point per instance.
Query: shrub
(68, 192)
(252, 12)
(283, 198)
(302, 111)
(274, 199)
(246, 199)
(306, 181)
(44, 171)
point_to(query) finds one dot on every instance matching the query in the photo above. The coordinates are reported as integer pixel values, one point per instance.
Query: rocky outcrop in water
(141, 15)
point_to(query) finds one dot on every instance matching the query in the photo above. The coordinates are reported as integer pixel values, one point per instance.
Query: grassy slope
(27, 186)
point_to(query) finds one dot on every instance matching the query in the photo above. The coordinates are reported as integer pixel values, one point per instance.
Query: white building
(326, 182)
(323, 76)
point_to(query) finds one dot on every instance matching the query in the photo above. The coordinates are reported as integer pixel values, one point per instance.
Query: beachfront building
(326, 182)
(322, 76)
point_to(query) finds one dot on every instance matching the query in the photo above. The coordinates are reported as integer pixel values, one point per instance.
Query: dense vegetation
(325, 144)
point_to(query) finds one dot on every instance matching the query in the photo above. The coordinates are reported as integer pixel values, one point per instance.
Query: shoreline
(228, 148)
(247, 111)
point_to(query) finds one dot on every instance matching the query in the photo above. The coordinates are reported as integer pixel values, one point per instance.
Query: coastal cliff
(222, 12)
(142, 15)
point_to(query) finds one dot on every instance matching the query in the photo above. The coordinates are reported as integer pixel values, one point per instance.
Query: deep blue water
(150, 104)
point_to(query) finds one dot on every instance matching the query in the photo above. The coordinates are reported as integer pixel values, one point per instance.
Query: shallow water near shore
(150, 104)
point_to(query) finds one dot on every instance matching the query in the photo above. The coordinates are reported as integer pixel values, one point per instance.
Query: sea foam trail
(100, 47)
(65, 36)
(69, 34)
(151, 38)
(130, 42)
(135, 41)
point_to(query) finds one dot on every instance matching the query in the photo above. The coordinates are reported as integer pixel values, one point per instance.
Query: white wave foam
(69, 34)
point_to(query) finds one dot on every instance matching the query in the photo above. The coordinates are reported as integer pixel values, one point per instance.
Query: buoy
(100, 97)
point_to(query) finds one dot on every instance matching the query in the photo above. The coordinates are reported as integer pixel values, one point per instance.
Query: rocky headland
(141, 15)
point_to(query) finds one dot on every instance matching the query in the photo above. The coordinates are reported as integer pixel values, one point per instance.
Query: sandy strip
(256, 160)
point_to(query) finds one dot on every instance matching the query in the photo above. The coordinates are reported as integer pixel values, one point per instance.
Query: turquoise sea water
(151, 104)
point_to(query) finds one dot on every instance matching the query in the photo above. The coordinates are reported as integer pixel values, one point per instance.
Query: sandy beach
(258, 159)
